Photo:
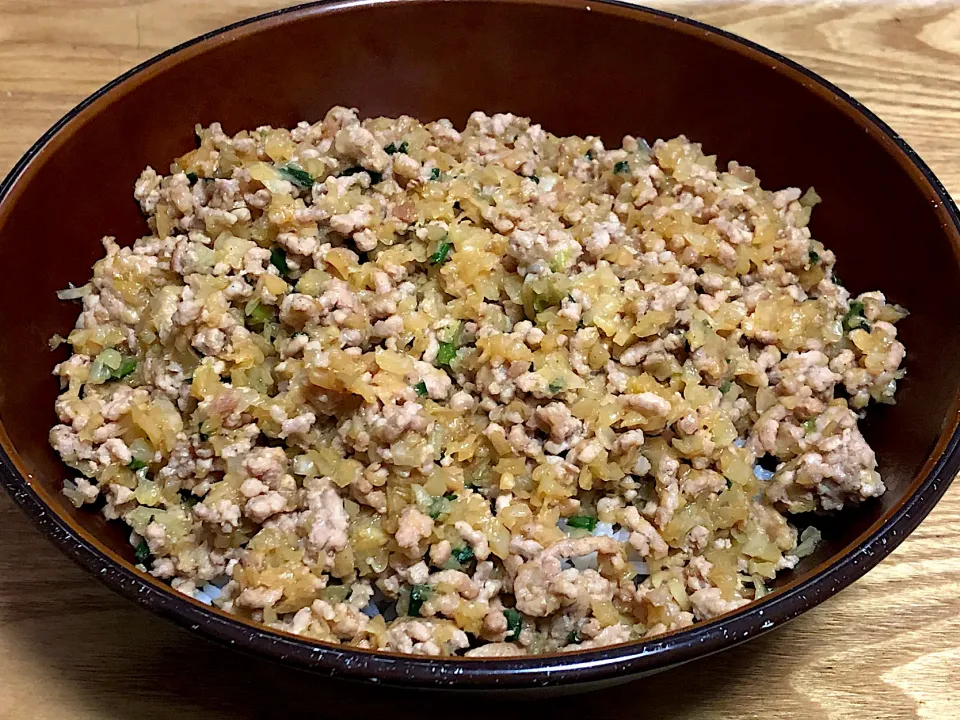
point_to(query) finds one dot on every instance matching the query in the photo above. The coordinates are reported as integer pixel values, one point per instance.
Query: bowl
(576, 67)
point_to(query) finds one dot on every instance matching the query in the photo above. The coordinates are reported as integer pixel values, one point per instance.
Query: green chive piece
(559, 263)
(555, 387)
(298, 176)
(514, 623)
(725, 386)
(589, 154)
(854, 317)
(448, 348)
(191, 177)
(421, 388)
(573, 637)
(435, 174)
(392, 148)
(418, 594)
(126, 368)
(814, 257)
(582, 522)
(809, 426)
(136, 465)
(259, 314)
(443, 249)
(446, 354)
(442, 505)
(141, 553)
(621, 167)
(463, 555)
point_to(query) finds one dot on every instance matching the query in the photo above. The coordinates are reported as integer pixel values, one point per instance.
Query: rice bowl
(489, 392)
(884, 213)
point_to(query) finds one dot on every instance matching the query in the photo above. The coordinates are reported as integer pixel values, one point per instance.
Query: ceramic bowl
(578, 68)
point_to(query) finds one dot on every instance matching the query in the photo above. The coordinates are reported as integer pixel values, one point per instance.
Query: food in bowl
(490, 392)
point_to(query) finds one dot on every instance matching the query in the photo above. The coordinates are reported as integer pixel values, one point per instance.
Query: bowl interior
(603, 70)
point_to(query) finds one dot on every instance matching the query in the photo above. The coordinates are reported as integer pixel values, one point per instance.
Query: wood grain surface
(888, 647)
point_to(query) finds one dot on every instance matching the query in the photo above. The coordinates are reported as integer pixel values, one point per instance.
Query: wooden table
(888, 647)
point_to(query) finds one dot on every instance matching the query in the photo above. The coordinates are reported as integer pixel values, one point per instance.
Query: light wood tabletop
(888, 647)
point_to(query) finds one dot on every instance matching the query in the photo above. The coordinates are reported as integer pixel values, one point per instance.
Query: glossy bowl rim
(557, 669)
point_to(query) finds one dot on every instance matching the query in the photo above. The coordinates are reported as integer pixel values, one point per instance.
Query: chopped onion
(303, 465)
(73, 495)
(809, 539)
(111, 358)
(735, 183)
(140, 449)
(547, 182)
(99, 373)
(74, 293)
(422, 498)
(759, 589)
(810, 198)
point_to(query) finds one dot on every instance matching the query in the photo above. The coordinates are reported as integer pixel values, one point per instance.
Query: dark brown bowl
(577, 67)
